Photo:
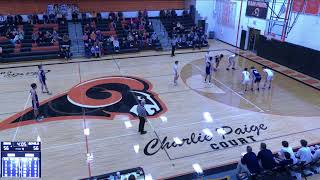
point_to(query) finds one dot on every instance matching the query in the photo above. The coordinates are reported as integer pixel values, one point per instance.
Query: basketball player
(245, 80)
(175, 72)
(256, 78)
(269, 77)
(218, 59)
(206, 57)
(232, 62)
(35, 101)
(209, 70)
(42, 79)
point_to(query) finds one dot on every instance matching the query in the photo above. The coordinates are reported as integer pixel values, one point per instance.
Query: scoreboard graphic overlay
(21, 159)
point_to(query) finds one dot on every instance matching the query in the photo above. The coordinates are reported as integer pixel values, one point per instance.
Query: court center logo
(101, 98)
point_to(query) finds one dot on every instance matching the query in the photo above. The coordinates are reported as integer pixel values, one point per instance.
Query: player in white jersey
(42, 79)
(35, 101)
(175, 73)
(232, 62)
(245, 80)
(209, 70)
(268, 77)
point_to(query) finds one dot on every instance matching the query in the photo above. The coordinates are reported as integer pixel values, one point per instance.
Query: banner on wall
(226, 13)
(311, 7)
(257, 9)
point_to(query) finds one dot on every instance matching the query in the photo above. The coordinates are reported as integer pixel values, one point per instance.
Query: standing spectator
(304, 153)
(266, 157)
(173, 46)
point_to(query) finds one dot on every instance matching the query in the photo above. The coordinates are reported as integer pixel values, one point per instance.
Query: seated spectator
(249, 163)
(116, 45)
(266, 157)
(93, 51)
(97, 50)
(316, 158)
(287, 149)
(304, 153)
(65, 52)
(316, 154)
(85, 37)
(47, 37)
(283, 163)
(1, 51)
(55, 36)
(35, 37)
(154, 37)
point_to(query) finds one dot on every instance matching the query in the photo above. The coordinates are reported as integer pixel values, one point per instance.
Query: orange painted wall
(39, 6)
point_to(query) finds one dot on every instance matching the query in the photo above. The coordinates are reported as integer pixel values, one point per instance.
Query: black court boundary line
(238, 54)
(247, 143)
(102, 59)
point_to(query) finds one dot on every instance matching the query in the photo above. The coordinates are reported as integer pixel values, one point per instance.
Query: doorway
(254, 35)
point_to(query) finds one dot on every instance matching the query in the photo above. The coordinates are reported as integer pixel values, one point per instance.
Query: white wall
(205, 9)
(305, 32)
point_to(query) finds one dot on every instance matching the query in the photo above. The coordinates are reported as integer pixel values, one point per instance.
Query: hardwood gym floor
(193, 112)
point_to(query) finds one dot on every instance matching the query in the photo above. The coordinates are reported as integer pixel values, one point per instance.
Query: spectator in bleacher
(55, 36)
(48, 37)
(45, 18)
(266, 157)
(288, 149)
(85, 37)
(93, 36)
(249, 163)
(1, 51)
(316, 154)
(304, 153)
(75, 14)
(116, 45)
(204, 40)
(35, 37)
(65, 39)
(154, 37)
(185, 13)
(195, 41)
(2, 25)
(41, 37)
(286, 161)
(52, 18)
(65, 52)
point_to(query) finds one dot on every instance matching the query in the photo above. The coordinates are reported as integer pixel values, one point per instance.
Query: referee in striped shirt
(142, 114)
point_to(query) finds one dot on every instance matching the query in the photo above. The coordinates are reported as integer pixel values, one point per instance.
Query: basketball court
(193, 122)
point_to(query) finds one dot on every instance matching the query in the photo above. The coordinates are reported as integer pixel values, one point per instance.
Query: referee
(142, 114)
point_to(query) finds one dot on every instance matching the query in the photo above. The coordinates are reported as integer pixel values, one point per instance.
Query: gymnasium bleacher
(27, 50)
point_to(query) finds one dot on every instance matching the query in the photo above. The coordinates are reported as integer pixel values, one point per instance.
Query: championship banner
(257, 9)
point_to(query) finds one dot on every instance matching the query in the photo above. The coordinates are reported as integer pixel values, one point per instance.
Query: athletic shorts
(35, 105)
(246, 81)
(257, 79)
(269, 78)
(208, 71)
(43, 81)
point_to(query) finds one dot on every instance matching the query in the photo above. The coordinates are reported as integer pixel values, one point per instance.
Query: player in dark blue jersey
(42, 79)
(256, 78)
